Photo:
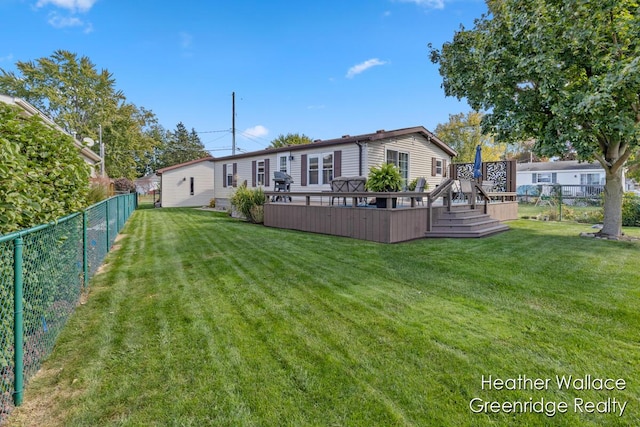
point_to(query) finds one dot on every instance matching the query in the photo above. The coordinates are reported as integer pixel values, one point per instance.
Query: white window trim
(286, 161)
(260, 182)
(229, 175)
(320, 157)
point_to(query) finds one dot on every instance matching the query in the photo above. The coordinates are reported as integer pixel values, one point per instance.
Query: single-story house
(187, 184)
(147, 184)
(565, 172)
(416, 151)
(86, 153)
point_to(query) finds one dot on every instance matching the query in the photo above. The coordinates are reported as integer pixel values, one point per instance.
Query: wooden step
(469, 226)
(468, 234)
(465, 222)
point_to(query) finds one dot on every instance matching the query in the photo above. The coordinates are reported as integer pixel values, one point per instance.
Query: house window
(401, 161)
(283, 164)
(543, 178)
(191, 186)
(260, 172)
(313, 170)
(327, 168)
(590, 178)
(229, 175)
(318, 175)
(438, 166)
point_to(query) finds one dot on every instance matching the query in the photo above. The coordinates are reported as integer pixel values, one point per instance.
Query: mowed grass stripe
(204, 320)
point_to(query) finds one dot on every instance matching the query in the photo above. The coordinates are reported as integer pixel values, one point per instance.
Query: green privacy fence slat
(52, 270)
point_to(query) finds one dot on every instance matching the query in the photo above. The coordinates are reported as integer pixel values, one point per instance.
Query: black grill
(282, 183)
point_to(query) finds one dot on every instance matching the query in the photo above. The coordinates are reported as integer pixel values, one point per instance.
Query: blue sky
(323, 68)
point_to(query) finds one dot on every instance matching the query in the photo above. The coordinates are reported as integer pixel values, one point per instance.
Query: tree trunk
(613, 195)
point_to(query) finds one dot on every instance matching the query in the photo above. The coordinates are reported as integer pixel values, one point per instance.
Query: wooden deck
(313, 212)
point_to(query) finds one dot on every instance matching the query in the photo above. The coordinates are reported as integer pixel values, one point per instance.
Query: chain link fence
(44, 270)
(581, 203)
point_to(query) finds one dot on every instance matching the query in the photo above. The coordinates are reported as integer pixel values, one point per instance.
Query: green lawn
(200, 319)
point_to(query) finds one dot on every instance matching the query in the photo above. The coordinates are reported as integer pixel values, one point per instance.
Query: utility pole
(233, 123)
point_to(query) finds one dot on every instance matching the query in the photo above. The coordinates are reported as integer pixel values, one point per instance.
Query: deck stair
(462, 221)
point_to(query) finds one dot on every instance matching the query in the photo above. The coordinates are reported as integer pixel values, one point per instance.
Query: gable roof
(348, 139)
(181, 165)
(561, 165)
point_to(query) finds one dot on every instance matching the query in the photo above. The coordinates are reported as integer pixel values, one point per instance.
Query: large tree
(463, 133)
(80, 99)
(566, 73)
(290, 139)
(181, 146)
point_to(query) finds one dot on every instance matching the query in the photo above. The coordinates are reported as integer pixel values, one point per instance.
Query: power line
(215, 131)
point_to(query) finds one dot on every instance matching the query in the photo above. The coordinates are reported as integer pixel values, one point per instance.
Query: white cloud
(58, 21)
(357, 69)
(431, 4)
(256, 132)
(7, 58)
(72, 5)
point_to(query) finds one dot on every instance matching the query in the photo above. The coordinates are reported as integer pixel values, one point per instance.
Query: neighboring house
(567, 172)
(187, 184)
(416, 151)
(147, 184)
(86, 153)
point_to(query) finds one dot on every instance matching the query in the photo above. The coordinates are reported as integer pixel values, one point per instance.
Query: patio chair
(339, 185)
(356, 184)
(488, 186)
(466, 189)
(419, 189)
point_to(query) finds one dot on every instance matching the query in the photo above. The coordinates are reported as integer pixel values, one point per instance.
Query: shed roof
(181, 165)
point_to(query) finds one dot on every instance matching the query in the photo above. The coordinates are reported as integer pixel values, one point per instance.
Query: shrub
(212, 203)
(630, 210)
(42, 175)
(97, 193)
(245, 201)
(124, 185)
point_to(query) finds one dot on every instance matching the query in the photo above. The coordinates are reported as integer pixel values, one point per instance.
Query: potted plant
(384, 178)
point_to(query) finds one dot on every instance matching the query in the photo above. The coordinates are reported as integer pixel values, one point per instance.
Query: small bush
(124, 185)
(630, 210)
(245, 200)
(97, 193)
(212, 203)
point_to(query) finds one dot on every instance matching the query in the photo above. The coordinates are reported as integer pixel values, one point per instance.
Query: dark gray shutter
(266, 173)
(444, 167)
(303, 170)
(433, 166)
(224, 175)
(337, 163)
(253, 173)
(554, 178)
(534, 178)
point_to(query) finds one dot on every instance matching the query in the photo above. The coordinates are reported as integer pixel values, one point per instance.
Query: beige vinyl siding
(420, 154)
(176, 185)
(349, 165)
(244, 173)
